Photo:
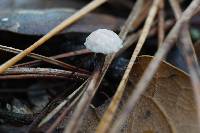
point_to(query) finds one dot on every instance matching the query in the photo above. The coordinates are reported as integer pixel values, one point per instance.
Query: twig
(161, 23)
(91, 6)
(24, 70)
(45, 71)
(64, 55)
(110, 112)
(43, 58)
(152, 67)
(132, 16)
(32, 76)
(143, 14)
(176, 9)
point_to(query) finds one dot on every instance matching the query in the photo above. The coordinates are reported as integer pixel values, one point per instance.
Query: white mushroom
(103, 41)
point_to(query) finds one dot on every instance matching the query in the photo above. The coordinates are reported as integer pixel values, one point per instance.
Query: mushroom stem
(98, 60)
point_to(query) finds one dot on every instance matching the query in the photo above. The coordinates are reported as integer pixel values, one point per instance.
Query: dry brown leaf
(167, 107)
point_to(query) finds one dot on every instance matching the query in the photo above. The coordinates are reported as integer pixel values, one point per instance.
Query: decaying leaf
(167, 107)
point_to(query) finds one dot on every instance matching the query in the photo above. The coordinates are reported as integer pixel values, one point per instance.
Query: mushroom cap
(103, 41)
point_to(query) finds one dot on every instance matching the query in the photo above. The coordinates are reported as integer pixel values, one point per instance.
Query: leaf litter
(153, 95)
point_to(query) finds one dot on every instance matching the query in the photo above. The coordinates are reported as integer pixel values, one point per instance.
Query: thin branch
(132, 16)
(152, 67)
(86, 9)
(110, 112)
(143, 14)
(33, 76)
(176, 8)
(46, 71)
(161, 23)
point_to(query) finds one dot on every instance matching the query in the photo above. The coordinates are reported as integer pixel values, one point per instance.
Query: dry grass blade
(143, 14)
(91, 6)
(33, 76)
(22, 73)
(110, 112)
(175, 6)
(24, 70)
(161, 23)
(152, 67)
(132, 18)
(64, 55)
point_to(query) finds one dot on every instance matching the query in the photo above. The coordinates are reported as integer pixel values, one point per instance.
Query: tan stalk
(161, 23)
